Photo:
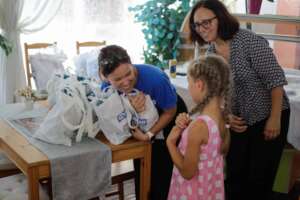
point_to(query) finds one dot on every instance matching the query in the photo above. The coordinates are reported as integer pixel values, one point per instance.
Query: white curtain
(17, 17)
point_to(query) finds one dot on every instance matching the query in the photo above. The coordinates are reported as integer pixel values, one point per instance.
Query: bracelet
(150, 135)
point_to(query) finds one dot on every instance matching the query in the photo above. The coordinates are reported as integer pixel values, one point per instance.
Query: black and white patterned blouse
(255, 72)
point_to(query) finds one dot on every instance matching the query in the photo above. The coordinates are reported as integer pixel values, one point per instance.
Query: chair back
(88, 44)
(28, 47)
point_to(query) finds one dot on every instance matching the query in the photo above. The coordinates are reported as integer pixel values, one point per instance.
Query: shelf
(268, 19)
(284, 38)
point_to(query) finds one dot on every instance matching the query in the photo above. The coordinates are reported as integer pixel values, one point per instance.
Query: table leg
(33, 184)
(145, 178)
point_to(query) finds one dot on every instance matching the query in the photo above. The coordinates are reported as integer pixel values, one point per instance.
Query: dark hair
(228, 25)
(110, 57)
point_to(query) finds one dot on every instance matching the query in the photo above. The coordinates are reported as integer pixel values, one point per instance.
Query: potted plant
(29, 96)
(5, 45)
(161, 20)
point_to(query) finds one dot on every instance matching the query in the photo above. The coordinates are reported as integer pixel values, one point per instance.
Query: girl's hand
(237, 124)
(272, 128)
(183, 120)
(138, 101)
(139, 135)
(174, 135)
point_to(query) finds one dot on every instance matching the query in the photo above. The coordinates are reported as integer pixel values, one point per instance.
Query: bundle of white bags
(80, 109)
(71, 115)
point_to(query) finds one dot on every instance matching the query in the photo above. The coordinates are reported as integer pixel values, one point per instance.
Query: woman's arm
(164, 119)
(187, 164)
(272, 127)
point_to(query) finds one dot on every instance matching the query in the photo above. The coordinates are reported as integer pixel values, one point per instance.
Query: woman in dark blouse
(260, 107)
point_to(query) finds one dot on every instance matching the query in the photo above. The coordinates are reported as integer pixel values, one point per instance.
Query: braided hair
(215, 72)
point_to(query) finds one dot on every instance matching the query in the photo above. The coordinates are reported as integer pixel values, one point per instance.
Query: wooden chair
(7, 168)
(121, 172)
(28, 47)
(88, 44)
(15, 187)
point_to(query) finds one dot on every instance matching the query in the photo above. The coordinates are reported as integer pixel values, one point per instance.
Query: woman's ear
(102, 77)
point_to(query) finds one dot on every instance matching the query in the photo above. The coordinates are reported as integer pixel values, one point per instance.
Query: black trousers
(252, 162)
(161, 163)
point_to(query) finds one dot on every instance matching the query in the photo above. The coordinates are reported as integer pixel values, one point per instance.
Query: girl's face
(123, 78)
(196, 89)
(206, 24)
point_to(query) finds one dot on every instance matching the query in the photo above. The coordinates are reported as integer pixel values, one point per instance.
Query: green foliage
(161, 20)
(5, 45)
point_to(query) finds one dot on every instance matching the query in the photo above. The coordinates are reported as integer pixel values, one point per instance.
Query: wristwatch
(150, 135)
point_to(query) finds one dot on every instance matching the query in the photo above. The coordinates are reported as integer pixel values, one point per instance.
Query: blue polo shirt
(154, 82)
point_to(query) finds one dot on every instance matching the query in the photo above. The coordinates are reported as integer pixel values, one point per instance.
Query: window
(93, 20)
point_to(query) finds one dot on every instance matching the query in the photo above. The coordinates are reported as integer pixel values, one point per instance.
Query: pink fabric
(254, 6)
(208, 183)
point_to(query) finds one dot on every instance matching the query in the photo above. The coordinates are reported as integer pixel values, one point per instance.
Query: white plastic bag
(86, 64)
(113, 118)
(146, 119)
(71, 115)
(45, 63)
(63, 119)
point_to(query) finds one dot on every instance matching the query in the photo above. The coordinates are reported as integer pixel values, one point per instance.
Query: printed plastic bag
(114, 119)
(146, 119)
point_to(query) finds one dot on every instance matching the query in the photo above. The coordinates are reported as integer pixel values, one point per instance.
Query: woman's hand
(174, 135)
(237, 124)
(182, 120)
(272, 128)
(139, 135)
(138, 102)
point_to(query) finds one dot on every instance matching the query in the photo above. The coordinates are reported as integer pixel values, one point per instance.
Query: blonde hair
(215, 72)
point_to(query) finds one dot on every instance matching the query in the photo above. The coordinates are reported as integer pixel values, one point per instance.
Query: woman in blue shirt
(116, 68)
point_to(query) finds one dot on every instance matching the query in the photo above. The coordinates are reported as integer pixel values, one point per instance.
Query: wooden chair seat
(7, 167)
(121, 172)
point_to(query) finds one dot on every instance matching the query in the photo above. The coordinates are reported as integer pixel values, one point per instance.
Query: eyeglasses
(205, 23)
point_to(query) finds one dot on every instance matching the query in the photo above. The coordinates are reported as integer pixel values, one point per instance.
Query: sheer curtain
(16, 17)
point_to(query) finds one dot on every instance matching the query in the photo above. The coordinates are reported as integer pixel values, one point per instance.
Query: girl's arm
(187, 164)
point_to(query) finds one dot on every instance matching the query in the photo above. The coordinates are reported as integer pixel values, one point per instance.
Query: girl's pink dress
(208, 182)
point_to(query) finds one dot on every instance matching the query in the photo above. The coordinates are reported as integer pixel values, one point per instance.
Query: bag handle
(133, 122)
(76, 100)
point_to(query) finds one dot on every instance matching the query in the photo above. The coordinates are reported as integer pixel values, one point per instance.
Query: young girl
(198, 160)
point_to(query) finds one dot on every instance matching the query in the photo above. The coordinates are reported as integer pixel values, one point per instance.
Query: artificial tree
(161, 20)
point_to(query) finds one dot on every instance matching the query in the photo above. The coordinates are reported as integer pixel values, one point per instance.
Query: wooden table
(36, 166)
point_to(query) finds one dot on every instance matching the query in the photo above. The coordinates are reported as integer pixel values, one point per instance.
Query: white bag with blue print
(113, 118)
(146, 119)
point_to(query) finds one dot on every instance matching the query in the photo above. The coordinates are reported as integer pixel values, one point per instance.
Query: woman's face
(206, 24)
(123, 77)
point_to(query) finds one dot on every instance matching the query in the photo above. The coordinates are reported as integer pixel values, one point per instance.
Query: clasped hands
(182, 121)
